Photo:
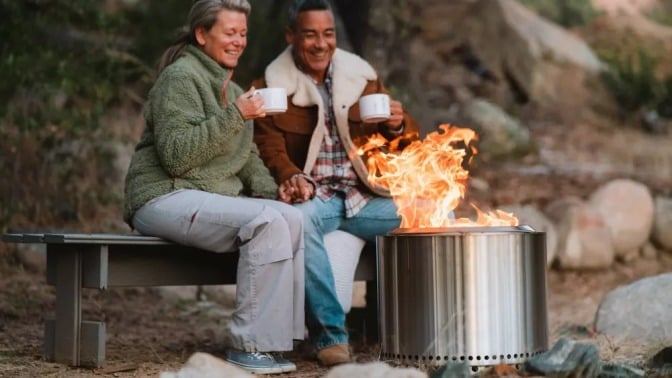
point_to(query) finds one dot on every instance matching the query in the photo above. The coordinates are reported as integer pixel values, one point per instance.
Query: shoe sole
(289, 369)
(258, 370)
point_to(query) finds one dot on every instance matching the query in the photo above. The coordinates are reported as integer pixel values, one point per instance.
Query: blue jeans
(324, 315)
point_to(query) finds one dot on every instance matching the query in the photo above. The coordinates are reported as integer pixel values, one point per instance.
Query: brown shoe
(334, 355)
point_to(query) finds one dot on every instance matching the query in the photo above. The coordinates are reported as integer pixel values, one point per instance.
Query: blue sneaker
(256, 363)
(286, 365)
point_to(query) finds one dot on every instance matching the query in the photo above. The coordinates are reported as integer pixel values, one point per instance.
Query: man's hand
(396, 116)
(296, 190)
(250, 105)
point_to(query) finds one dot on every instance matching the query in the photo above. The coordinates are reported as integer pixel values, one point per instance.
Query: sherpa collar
(351, 74)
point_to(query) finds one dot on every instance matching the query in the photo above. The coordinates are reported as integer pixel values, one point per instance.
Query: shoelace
(261, 356)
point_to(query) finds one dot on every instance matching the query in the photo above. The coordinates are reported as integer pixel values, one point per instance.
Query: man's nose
(320, 42)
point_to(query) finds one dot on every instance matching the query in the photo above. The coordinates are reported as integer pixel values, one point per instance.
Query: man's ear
(289, 35)
(199, 33)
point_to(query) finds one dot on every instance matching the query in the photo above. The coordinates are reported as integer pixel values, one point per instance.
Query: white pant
(269, 235)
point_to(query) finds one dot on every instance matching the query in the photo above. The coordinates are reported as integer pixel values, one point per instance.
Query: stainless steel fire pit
(473, 294)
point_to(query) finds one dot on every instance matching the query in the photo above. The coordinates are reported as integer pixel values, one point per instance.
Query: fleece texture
(195, 137)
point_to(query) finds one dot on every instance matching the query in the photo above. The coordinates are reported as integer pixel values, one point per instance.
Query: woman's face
(227, 38)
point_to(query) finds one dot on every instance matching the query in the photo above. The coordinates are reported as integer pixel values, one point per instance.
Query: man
(312, 152)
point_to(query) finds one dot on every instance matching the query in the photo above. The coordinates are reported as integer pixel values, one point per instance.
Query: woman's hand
(296, 190)
(250, 105)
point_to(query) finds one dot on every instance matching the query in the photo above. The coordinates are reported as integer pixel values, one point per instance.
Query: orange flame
(427, 179)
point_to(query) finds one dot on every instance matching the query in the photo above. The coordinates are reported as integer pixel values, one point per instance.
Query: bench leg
(68, 339)
(68, 263)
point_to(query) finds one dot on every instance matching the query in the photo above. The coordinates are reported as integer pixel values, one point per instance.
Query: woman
(196, 179)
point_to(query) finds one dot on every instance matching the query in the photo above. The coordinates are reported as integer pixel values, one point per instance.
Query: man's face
(314, 41)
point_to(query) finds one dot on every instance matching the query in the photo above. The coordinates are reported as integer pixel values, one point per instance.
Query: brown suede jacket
(289, 142)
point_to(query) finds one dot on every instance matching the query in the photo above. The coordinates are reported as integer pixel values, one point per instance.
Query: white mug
(374, 108)
(275, 99)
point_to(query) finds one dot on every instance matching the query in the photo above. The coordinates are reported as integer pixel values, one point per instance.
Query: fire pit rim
(459, 230)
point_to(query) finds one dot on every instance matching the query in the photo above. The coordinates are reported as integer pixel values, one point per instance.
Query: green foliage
(634, 85)
(63, 63)
(568, 13)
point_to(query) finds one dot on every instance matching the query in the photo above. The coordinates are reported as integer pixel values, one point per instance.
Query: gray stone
(500, 135)
(639, 312)
(567, 358)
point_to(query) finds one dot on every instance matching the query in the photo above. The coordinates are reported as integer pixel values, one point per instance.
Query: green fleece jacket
(191, 141)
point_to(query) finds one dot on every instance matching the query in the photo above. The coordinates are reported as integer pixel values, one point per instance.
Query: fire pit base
(474, 294)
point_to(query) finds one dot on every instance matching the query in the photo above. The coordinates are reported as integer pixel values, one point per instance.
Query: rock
(627, 208)
(557, 209)
(452, 370)
(373, 370)
(649, 251)
(584, 239)
(567, 358)
(639, 312)
(529, 215)
(662, 224)
(204, 365)
(500, 135)
(543, 62)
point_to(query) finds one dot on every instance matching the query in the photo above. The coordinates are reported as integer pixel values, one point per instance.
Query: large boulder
(500, 135)
(639, 312)
(627, 208)
(545, 63)
(584, 240)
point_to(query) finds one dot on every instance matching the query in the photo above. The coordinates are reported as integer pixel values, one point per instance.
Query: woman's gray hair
(299, 6)
(203, 14)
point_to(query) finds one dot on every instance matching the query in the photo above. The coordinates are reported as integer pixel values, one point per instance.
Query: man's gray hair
(299, 6)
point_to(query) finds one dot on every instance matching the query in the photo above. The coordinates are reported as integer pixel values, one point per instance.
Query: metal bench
(101, 261)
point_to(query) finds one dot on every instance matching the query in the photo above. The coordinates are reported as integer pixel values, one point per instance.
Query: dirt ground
(147, 334)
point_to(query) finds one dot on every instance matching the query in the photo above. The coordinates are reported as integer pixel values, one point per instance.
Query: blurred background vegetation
(65, 63)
